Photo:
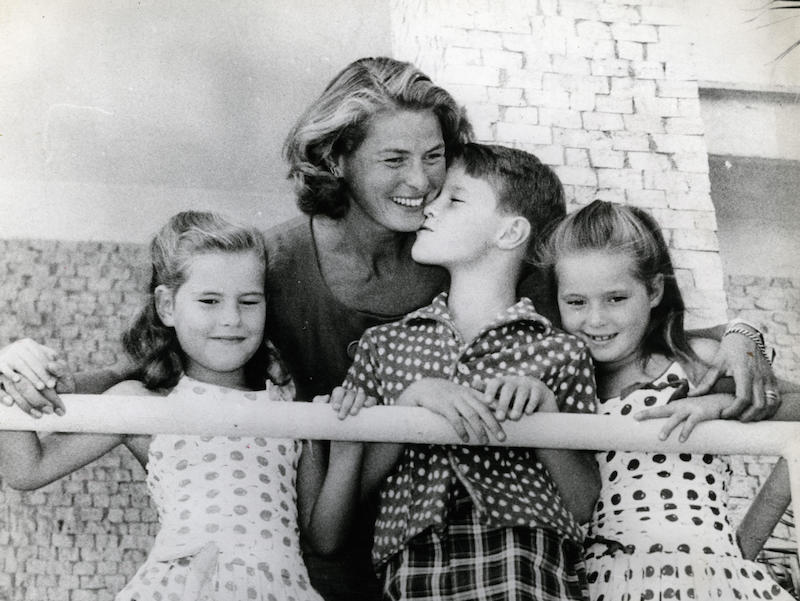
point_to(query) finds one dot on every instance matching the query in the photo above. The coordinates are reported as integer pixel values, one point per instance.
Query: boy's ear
(656, 290)
(165, 305)
(515, 231)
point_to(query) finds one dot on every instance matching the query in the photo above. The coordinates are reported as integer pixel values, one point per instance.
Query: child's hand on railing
(515, 396)
(689, 412)
(346, 401)
(462, 406)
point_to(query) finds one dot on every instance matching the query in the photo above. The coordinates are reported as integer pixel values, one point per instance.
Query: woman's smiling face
(397, 169)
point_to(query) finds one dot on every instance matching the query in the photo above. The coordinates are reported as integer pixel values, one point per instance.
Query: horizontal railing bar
(221, 415)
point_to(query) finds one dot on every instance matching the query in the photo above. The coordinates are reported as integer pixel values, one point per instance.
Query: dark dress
(317, 335)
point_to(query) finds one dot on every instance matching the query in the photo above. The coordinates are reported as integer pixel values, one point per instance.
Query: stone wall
(604, 91)
(80, 538)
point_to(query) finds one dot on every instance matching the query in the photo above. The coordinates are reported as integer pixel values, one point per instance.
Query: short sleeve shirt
(508, 486)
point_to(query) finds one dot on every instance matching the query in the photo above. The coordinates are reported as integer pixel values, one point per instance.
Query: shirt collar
(522, 310)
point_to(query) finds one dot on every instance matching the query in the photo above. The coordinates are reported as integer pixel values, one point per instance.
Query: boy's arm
(575, 473)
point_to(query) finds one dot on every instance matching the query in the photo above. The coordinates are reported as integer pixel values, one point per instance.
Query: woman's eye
(618, 299)
(453, 199)
(208, 301)
(394, 161)
(434, 157)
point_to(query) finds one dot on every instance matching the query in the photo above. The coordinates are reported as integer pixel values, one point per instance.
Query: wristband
(753, 334)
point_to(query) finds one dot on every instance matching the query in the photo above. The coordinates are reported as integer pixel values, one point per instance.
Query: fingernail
(500, 415)
(514, 415)
(47, 410)
(51, 383)
(501, 436)
(59, 412)
(36, 414)
(39, 385)
(8, 401)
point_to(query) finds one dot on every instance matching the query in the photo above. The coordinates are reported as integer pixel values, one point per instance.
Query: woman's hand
(462, 406)
(515, 396)
(30, 375)
(757, 393)
(688, 412)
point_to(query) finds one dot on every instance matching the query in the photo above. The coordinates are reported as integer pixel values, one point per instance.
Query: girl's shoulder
(132, 388)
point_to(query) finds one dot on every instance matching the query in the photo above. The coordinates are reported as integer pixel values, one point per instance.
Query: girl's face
(398, 167)
(604, 304)
(218, 314)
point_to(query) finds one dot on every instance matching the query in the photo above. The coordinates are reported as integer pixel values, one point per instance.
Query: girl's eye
(618, 299)
(574, 302)
(249, 302)
(454, 199)
(208, 301)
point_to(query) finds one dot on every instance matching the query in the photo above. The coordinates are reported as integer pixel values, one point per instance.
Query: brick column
(603, 91)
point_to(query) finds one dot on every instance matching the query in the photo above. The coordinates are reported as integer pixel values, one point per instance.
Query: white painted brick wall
(603, 90)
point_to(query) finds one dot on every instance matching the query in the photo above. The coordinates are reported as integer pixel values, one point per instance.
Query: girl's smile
(605, 304)
(218, 314)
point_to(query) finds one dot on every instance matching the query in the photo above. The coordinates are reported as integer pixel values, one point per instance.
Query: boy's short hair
(523, 184)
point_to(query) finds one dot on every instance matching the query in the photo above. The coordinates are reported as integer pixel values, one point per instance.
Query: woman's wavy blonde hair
(335, 124)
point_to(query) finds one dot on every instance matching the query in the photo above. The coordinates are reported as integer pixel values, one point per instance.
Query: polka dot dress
(660, 528)
(228, 514)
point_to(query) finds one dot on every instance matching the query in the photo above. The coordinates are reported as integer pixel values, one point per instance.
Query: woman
(365, 157)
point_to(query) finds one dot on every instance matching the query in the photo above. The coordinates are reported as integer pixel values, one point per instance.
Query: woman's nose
(416, 176)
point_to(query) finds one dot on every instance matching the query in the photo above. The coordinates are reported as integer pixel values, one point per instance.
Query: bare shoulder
(705, 348)
(132, 388)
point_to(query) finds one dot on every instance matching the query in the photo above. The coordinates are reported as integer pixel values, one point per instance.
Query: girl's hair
(336, 123)
(154, 346)
(629, 230)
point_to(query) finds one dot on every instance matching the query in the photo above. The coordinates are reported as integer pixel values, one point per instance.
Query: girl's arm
(28, 461)
(329, 479)
(328, 492)
(765, 512)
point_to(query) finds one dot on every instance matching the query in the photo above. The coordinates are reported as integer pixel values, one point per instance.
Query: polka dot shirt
(508, 486)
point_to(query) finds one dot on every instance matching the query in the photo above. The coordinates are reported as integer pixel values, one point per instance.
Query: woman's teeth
(406, 201)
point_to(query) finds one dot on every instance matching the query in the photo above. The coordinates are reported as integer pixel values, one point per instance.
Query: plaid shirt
(509, 486)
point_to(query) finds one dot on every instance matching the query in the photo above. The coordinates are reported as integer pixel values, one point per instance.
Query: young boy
(479, 522)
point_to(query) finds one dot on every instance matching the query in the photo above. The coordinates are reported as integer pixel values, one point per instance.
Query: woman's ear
(656, 290)
(514, 231)
(165, 304)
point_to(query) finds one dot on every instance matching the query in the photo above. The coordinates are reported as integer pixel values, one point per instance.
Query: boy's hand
(346, 401)
(463, 407)
(688, 412)
(513, 396)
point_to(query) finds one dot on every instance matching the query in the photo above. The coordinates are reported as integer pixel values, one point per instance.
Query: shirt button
(463, 369)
